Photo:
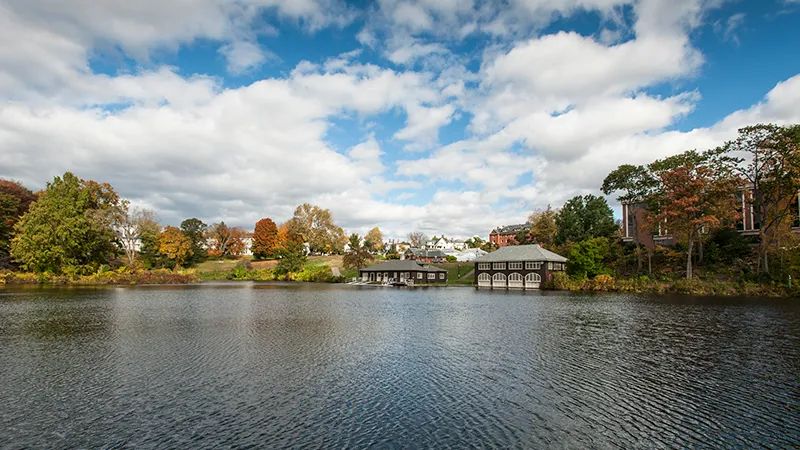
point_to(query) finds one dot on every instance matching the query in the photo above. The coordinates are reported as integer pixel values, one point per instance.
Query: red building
(507, 235)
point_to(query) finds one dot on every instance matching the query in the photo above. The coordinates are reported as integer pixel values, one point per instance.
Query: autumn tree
(696, 194)
(236, 244)
(15, 199)
(225, 241)
(318, 229)
(374, 240)
(767, 158)
(357, 255)
(543, 226)
(584, 217)
(195, 230)
(175, 246)
(265, 239)
(417, 239)
(68, 228)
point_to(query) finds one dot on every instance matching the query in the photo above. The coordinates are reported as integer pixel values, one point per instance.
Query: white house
(445, 244)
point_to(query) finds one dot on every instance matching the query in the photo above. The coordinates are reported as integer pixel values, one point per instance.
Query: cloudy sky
(434, 115)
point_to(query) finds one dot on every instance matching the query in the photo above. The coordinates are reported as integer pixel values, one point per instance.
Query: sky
(440, 116)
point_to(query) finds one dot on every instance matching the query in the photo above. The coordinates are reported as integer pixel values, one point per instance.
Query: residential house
(517, 267)
(404, 271)
(424, 255)
(507, 235)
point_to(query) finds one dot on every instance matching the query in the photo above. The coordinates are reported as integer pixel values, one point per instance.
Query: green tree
(15, 199)
(69, 228)
(175, 246)
(292, 258)
(149, 232)
(195, 230)
(587, 258)
(584, 217)
(357, 255)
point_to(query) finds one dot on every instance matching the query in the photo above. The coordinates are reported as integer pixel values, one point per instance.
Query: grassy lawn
(458, 272)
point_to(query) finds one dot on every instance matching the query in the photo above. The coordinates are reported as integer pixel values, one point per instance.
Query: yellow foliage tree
(173, 244)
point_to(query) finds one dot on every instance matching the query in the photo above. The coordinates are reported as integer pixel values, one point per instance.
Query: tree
(68, 228)
(15, 199)
(767, 157)
(474, 242)
(543, 227)
(357, 255)
(236, 245)
(374, 240)
(318, 229)
(636, 186)
(696, 195)
(292, 257)
(586, 258)
(175, 246)
(417, 239)
(195, 230)
(149, 233)
(584, 217)
(265, 239)
(226, 241)
(130, 227)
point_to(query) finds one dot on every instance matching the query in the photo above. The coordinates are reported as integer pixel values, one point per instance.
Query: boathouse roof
(401, 265)
(533, 252)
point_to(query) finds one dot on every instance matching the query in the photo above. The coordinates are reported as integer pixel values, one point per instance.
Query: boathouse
(517, 267)
(403, 271)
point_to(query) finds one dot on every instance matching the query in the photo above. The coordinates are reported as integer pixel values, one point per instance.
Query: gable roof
(426, 252)
(511, 229)
(533, 252)
(401, 265)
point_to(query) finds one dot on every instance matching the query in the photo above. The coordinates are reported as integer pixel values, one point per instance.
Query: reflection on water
(336, 366)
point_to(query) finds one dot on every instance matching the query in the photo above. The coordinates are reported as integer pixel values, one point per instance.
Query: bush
(316, 273)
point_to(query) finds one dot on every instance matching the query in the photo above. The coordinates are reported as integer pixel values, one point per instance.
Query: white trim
(499, 266)
(533, 265)
(484, 266)
(516, 265)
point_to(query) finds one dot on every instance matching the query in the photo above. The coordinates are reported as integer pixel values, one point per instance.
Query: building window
(533, 278)
(499, 266)
(796, 211)
(530, 265)
(549, 266)
(419, 275)
(484, 277)
(441, 276)
(630, 214)
(515, 265)
(431, 276)
(484, 266)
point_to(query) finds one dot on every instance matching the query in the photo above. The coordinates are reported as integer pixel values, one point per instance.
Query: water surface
(339, 366)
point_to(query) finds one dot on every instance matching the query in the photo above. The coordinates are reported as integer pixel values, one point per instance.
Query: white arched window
(499, 279)
(533, 278)
(484, 279)
(515, 280)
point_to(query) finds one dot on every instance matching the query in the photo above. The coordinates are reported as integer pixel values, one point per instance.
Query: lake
(306, 365)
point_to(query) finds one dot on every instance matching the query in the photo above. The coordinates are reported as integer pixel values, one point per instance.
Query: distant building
(507, 235)
(404, 271)
(470, 254)
(424, 255)
(517, 267)
(445, 244)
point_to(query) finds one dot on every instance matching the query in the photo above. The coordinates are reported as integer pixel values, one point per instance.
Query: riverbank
(696, 286)
(111, 277)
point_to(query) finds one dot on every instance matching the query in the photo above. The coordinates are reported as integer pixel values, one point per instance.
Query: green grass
(458, 272)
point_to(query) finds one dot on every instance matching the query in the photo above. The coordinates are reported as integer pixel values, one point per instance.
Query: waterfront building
(517, 267)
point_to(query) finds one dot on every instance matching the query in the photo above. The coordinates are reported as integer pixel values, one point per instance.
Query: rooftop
(402, 265)
(533, 252)
(511, 229)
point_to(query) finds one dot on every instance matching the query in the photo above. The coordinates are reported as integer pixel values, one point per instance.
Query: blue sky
(440, 116)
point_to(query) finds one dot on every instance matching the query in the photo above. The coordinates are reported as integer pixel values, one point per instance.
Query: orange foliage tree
(265, 239)
(173, 244)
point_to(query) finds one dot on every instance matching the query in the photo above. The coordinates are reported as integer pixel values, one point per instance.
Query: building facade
(748, 223)
(403, 271)
(517, 267)
(507, 235)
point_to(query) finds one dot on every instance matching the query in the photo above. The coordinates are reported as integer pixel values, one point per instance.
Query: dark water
(336, 366)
